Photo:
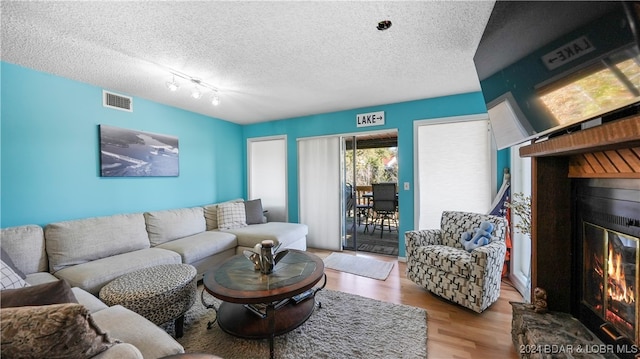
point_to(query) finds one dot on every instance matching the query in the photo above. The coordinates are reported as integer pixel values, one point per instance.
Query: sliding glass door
(349, 198)
(333, 174)
(369, 157)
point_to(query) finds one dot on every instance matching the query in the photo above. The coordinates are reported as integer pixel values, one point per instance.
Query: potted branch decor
(520, 204)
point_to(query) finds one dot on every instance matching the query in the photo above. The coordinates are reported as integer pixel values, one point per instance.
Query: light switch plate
(406, 186)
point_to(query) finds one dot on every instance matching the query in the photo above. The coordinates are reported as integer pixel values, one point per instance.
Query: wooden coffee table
(258, 306)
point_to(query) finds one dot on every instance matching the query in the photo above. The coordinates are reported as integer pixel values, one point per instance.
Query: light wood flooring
(452, 331)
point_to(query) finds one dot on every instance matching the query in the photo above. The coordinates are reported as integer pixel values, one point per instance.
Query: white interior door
(320, 191)
(268, 175)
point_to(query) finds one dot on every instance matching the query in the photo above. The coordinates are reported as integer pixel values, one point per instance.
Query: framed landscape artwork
(131, 153)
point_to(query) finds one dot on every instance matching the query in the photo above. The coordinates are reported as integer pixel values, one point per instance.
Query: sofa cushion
(211, 214)
(80, 241)
(42, 294)
(132, 328)
(201, 245)
(92, 276)
(10, 279)
(119, 351)
(164, 226)
(63, 331)
(4, 256)
(279, 232)
(89, 300)
(25, 245)
(447, 259)
(41, 277)
(231, 215)
(253, 211)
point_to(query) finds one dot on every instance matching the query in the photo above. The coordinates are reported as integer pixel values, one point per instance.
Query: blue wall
(50, 165)
(400, 116)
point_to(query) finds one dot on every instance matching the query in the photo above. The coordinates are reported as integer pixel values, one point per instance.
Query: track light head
(196, 93)
(172, 85)
(198, 87)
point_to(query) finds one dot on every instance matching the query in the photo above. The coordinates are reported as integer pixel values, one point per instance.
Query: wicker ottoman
(160, 294)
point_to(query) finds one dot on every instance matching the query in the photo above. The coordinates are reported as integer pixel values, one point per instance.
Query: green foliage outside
(370, 166)
(593, 93)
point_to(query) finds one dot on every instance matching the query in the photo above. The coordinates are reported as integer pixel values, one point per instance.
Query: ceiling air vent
(117, 101)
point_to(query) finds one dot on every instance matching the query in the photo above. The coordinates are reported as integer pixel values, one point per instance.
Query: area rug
(380, 248)
(344, 326)
(366, 267)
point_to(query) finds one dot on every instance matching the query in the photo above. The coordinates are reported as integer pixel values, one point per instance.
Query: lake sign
(567, 53)
(370, 119)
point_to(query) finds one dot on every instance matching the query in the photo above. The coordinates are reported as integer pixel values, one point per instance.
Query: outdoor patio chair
(363, 206)
(384, 205)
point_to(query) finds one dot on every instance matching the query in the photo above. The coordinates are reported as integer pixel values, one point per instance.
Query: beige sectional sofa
(139, 337)
(89, 253)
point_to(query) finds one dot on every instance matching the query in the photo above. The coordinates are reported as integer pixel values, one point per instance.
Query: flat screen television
(551, 67)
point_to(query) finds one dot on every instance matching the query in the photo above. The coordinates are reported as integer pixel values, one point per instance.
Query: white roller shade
(319, 186)
(268, 176)
(454, 169)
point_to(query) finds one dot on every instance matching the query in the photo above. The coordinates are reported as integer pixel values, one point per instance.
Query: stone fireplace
(586, 227)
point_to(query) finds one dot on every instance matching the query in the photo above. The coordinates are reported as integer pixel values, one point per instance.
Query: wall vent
(117, 101)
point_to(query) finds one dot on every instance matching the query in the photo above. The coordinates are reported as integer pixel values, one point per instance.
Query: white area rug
(366, 267)
(345, 326)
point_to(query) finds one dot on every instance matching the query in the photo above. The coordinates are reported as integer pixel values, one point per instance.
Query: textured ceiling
(270, 60)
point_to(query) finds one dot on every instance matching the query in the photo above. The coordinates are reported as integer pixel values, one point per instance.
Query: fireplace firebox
(607, 238)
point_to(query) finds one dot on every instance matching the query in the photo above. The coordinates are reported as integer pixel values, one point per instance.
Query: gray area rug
(345, 326)
(366, 267)
(379, 247)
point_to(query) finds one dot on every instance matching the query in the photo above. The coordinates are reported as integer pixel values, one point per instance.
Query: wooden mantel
(610, 150)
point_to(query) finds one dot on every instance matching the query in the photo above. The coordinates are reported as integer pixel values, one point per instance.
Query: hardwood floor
(452, 331)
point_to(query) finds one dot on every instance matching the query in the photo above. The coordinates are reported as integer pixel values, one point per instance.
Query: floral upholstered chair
(437, 260)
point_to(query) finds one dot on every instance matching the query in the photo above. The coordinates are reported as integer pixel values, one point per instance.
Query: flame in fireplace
(617, 283)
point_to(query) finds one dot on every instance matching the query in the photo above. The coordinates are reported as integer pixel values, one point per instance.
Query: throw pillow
(4, 256)
(253, 211)
(42, 294)
(231, 215)
(9, 279)
(211, 214)
(62, 331)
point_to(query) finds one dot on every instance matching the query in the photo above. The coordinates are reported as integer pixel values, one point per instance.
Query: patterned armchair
(437, 260)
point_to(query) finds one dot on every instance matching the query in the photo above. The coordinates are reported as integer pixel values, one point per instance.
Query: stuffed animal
(478, 237)
(539, 303)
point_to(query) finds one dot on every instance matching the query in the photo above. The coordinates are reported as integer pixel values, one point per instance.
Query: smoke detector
(383, 25)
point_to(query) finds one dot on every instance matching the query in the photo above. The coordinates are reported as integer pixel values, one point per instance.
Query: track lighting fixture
(196, 92)
(172, 85)
(215, 99)
(198, 87)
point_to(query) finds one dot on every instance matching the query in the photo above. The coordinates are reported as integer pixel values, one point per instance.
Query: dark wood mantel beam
(623, 133)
